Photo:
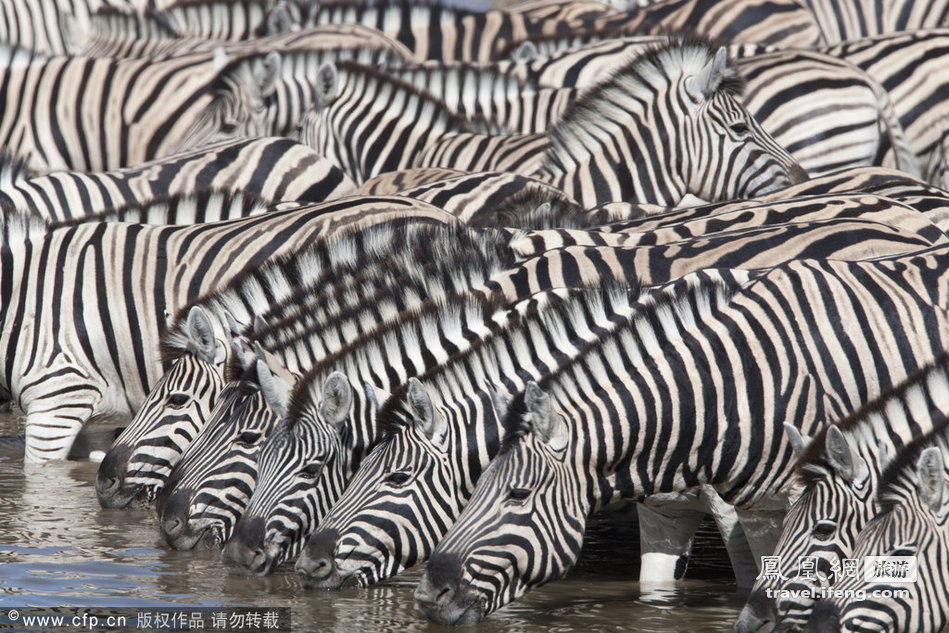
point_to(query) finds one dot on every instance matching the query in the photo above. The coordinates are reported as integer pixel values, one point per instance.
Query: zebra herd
(376, 283)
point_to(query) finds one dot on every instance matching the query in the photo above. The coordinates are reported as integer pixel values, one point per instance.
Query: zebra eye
(739, 127)
(824, 530)
(519, 494)
(311, 471)
(904, 551)
(229, 127)
(178, 400)
(248, 438)
(398, 479)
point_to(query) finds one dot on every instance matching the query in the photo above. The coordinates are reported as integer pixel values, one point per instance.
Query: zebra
(353, 514)
(328, 280)
(277, 169)
(49, 27)
(781, 24)
(201, 19)
(700, 222)
(355, 123)
(204, 471)
(908, 66)
(911, 522)
(572, 447)
(267, 93)
(318, 429)
(848, 20)
(502, 98)
(575, 155)
(55, 112)
(855, 123)
(68, 362)
(840, 470)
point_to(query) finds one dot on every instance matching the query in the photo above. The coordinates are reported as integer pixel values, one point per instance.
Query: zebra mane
(172, 209)
(538, 207)
(899, 478)
(18, 226)
(472, 370)
(13, 169)
(435, 316)
(457, 122)
(254, 287)
(634, 83)
(662, 316)
(813, 466)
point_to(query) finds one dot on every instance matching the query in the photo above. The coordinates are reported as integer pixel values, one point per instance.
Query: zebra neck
(615, 168)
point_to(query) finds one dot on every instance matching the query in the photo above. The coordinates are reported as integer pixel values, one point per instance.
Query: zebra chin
(112, 489)
(758, 615)
(444, 598)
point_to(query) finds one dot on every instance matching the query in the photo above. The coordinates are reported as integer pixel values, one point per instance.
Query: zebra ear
(265, 78)
(169, 320)
(201, 334)
(260, 324)
(337, 399)
(546, 426)
(327, 83)
(930, 477)
(799, 441)
(278, 19)
(525, 52)
(425, 419)
(840, 454)
(276, 391)
(703, 85)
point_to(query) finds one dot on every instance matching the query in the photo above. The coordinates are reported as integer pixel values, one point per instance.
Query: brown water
(59, 548)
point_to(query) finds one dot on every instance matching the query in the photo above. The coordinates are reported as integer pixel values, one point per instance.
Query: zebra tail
(903, 155)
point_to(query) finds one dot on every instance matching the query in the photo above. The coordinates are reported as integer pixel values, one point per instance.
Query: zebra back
(275, 169)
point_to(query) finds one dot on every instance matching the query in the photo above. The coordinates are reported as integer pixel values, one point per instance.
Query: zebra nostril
(172, 526)
(444, 595)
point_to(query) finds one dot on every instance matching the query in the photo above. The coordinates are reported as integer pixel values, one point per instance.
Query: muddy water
(58, 548)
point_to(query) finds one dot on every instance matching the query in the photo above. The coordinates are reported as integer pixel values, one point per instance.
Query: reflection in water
(59, 548)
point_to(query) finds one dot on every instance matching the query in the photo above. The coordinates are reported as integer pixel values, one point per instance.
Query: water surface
(59, 548)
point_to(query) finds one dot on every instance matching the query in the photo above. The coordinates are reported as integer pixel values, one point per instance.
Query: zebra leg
(743, 561)
(667, 525)
(52, 425)
(762, 529)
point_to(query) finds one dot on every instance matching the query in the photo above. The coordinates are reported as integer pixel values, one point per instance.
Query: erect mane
(17, 226)
(660, 316)
(189, 208)
(899, 477)
(813, 463)
(431, 318)
(13, 169)
(538, 207)
(600, 110)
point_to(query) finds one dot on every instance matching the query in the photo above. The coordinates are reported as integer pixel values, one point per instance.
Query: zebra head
(368, 122)
(522, 527)
(302, 470)
(137, 465)
(242, 102)
(913, 523)
(668, 124)
(208, 489)
(398, 504)
(820, 526)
